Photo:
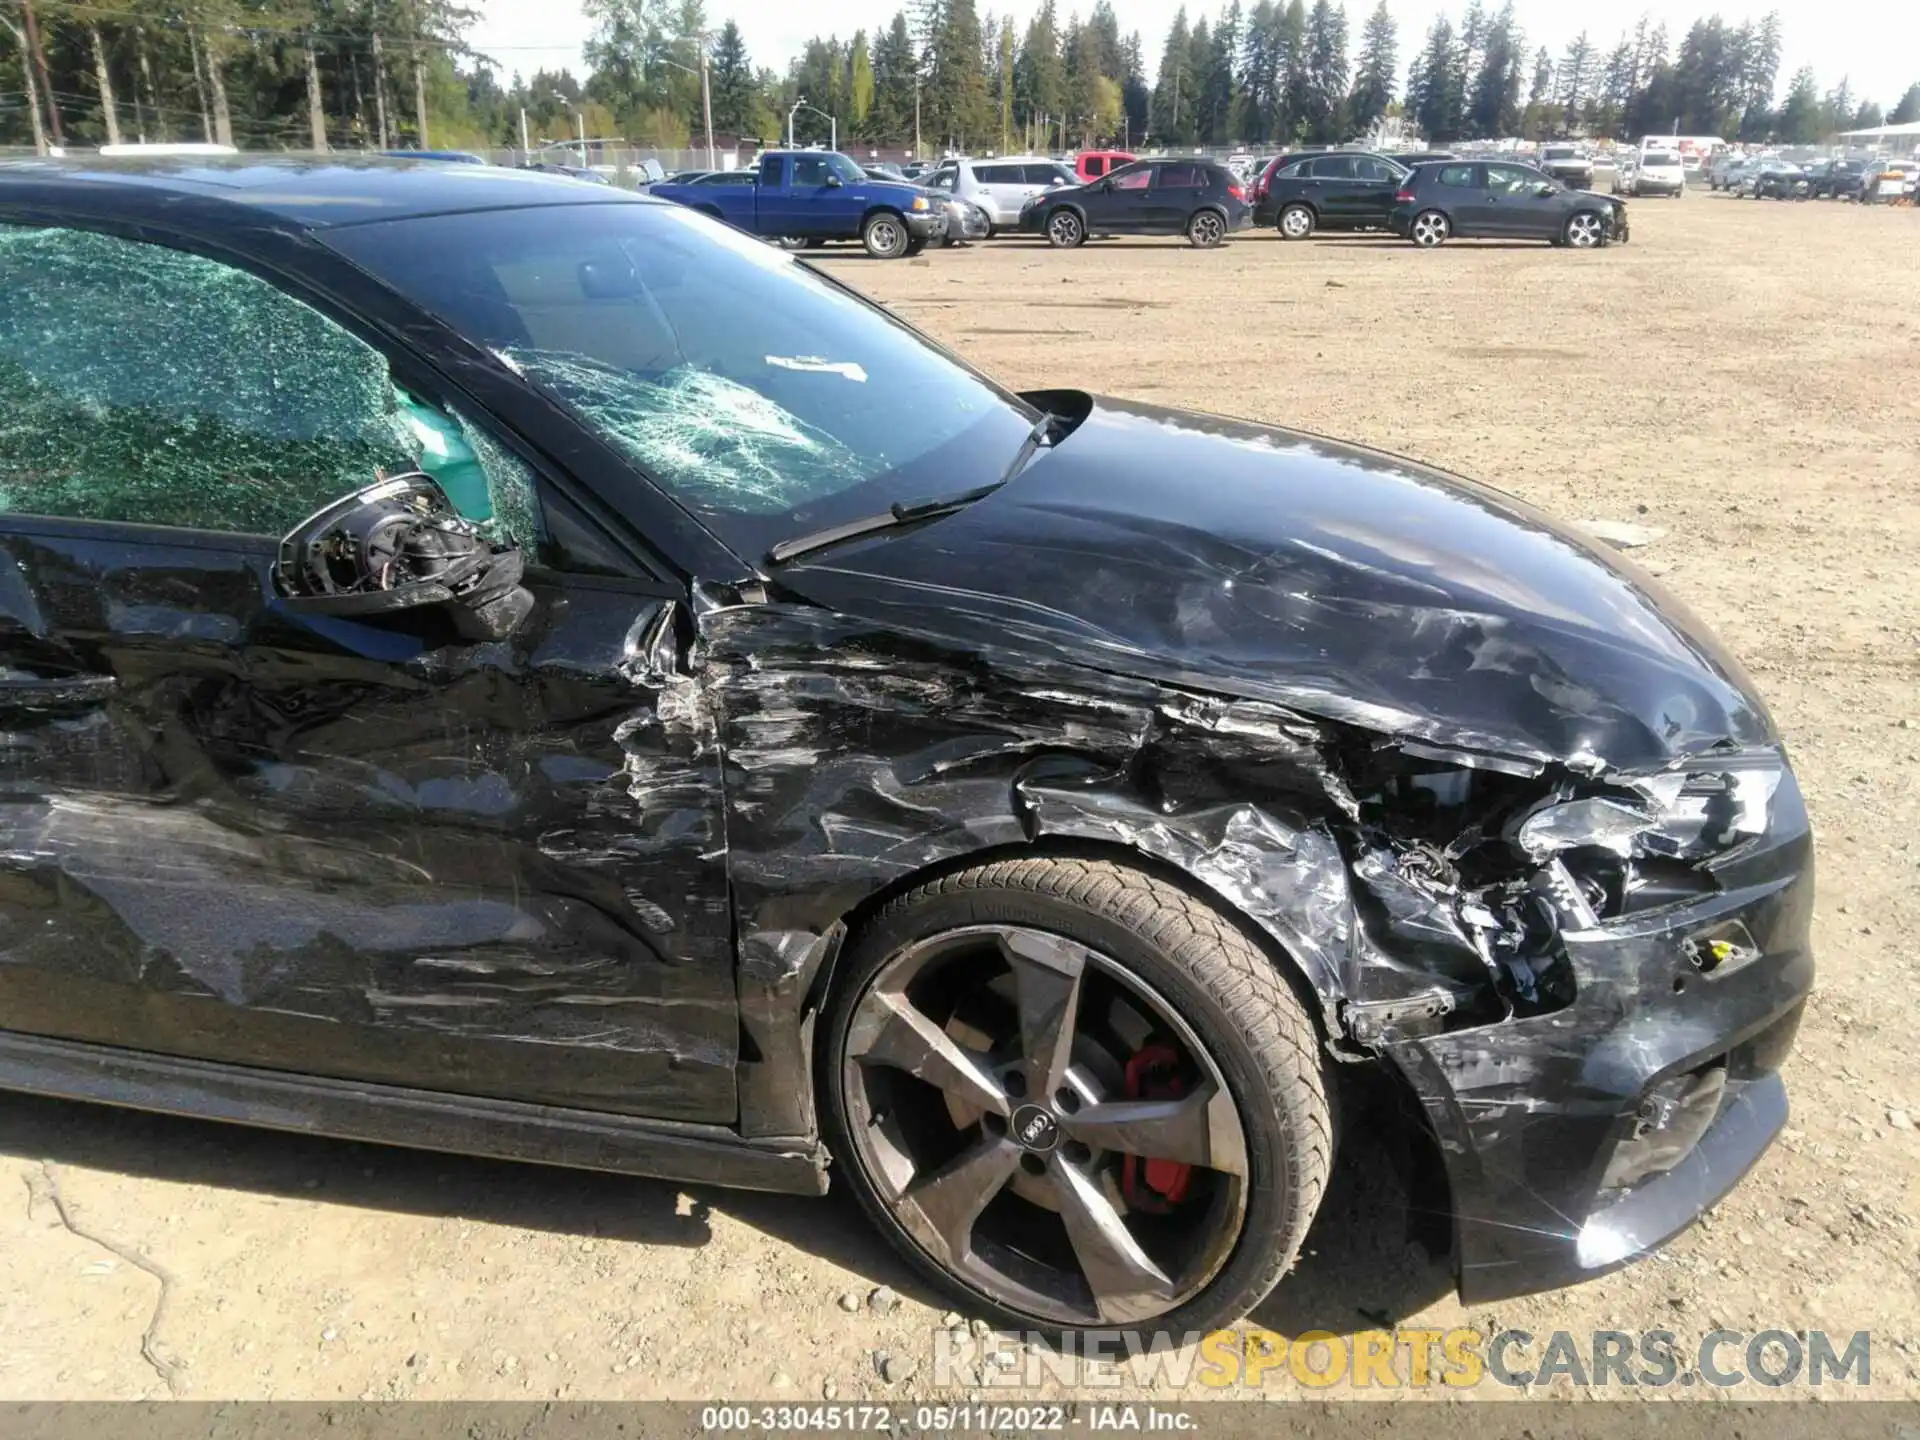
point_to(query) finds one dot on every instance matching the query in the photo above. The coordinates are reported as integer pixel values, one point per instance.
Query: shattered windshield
(764, 398)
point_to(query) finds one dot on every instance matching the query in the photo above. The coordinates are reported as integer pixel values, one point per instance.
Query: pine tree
(1218, 84)
(730, 79)
(1171, 116)
(1493, 104)
(954, 101)
(1296, 81)
(1327, 72)
(894, 72)
(1039, 78)
(1576, 81)
(1379, 63)
(859, 84)
(1433, 86)
(1908, 110)
(1799, 122)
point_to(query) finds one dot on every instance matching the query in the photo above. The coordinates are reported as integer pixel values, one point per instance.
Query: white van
(1657, 172)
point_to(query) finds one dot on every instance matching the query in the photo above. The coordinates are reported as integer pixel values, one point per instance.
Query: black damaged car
(485, 668)
(1472, 200)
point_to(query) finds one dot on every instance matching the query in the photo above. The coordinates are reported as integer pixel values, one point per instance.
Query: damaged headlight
(1705, 808)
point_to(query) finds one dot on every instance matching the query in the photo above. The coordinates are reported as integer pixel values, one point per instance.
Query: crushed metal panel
(239, 835)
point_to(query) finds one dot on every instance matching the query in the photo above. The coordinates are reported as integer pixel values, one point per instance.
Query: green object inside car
(446, 456)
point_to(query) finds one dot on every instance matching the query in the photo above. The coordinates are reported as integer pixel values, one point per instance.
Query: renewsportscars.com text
(1409, 1359)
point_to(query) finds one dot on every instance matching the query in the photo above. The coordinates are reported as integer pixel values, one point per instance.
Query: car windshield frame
(689, 430)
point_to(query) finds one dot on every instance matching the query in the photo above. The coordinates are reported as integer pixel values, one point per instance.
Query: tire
(1585, 230)
(1206, 229)
(791, 242)
(1065, 229)
(885, 236)
(1221, 1002)
(1430, 229)
(1296, 222)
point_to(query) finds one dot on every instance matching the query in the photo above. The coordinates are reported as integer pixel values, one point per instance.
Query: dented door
(238, 835)
(368, 851)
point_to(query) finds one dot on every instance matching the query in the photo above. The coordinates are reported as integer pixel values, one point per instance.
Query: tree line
(350, 74)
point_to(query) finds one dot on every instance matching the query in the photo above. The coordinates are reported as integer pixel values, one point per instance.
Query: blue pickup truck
(820, 195)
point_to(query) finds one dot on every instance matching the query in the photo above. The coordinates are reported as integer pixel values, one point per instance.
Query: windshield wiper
(903, 512)
(908, 512)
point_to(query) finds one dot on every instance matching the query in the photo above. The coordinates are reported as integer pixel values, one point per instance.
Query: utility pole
(525, 148)
(916, 117)
(40, 64)
(706, 104)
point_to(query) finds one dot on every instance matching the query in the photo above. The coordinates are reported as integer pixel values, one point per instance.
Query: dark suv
(1333, 192)
(1475, 200)
(1195, 198)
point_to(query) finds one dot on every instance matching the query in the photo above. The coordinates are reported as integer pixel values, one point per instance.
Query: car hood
(1247, 560)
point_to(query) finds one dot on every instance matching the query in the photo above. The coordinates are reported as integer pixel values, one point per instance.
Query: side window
(940, 180)
(997, 174)
(1333, 167)
(809, 170)
(1180, 177)
(1459, 177)
(1510, 179)
(771, 170)
(153, 387)
(1096, 166)
(1366, 167)
(1135, 179)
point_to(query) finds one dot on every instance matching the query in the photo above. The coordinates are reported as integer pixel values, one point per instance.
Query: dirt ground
(1745, 376)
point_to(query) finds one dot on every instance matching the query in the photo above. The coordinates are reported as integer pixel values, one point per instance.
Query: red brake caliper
(1154, 1186)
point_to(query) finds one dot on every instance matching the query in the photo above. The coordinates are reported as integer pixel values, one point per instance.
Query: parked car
(1724, 169)
(1195, 198)
(1780, 179)
(716, 779)
(816, 195)
(1837, 179)
(1097, 164)
(1568, 164)
(1888, 180)
(1335, 191)
(1265, 211)
(1000, 188)
(1483, 200)
(1651, 172)
(965, 222)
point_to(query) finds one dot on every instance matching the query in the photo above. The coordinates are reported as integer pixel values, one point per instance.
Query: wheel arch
(881, 208)
(1316, 1000)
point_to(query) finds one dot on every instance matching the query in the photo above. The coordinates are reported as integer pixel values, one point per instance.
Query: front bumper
(966, 221)
(1530, 1112)
(927, 224)
(1659, 187)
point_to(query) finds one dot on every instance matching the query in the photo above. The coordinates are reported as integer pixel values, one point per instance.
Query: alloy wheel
(885, 237)
(1064, 229)
(1584, 231)
(1297, 222)
(1044, 1125)
(1206, 229)
(1430, 229)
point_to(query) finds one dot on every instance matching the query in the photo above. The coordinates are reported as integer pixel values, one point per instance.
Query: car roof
(301, 193)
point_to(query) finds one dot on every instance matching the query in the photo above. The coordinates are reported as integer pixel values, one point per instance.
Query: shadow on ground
(424, 1182)
(1357, 1270)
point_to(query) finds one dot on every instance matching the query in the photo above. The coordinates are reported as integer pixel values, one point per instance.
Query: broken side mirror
(400, 545)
